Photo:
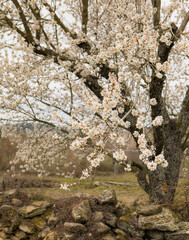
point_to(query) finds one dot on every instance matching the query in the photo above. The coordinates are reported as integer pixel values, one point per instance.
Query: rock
(100, 227)
(4, 222)
(81, 213)
(49, 213)
(182, 234)
(120, 237)
(164, 221)
(108, 237)
(86, 195)
(52, 220)
(128, 223)
(7, 230)
(183, 226)
(137, 234)
(3, 235)
(44, 204)
(21, 235)
(14, 238)
(27, 227)
(124, 221)
(9, 211)
(121, 209)
(45, 232)
(110, 219)
(7, 208)
(10, 192)
(92, 200)
(150, 210)
(120, 232)
(16, 202)
(157, 235)
(31, 211)
(97, 183)
(97, 216)
(34, 209)
(74, 227)
(68, 236)
(107, 197)
(15, 221)
(51, 236)
(38, 222)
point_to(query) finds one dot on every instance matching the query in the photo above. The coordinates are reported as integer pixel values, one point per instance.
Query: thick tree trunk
(173, 154)
(163, 181)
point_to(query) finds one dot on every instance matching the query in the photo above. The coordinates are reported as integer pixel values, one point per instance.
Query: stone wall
(84, 217)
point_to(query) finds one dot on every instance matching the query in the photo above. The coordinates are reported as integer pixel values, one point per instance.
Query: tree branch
(29, 35)
(58, 21)
(185, 143)
(142, 180)
(156, 17)
(183, 25)
(11, 25)
(49, 124)
(184, 114)
(84, 15)
(36, 13)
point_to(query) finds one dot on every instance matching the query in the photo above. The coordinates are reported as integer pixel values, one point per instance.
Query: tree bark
(173, 154)
(163, 181)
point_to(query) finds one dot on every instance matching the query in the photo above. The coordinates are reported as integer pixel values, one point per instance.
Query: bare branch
(156, 17)
(59, 22)
(11, 25)
(36, 13)
(29, 35)
(84, 15)
(183, 25)
(49, 124)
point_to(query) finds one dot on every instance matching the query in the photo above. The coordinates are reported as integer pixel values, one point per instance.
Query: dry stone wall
(84, 217)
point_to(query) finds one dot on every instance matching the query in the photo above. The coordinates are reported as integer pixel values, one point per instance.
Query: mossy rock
(47, 214)
(121, 209)
(164, 221)
(8, 210)
(27, 227)
(39, 222)
(149, 210)
(124, 221)
(120, 237)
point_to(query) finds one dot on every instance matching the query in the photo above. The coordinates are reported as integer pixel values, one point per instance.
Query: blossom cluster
(157, 121)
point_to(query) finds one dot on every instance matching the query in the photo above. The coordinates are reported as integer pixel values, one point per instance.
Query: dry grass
(127, 194)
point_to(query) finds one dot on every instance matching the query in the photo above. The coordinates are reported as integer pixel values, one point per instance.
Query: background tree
(105, 65)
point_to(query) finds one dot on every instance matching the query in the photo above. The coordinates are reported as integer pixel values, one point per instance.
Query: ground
(129, 193)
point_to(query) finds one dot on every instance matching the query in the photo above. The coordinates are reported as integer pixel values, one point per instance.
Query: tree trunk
(173, 153)
(163, 181)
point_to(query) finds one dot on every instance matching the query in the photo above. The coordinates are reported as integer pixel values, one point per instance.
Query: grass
(127, 194)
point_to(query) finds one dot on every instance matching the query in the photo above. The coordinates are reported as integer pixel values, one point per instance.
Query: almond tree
(107, 65)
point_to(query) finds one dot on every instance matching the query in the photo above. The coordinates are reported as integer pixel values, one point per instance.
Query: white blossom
(157, 121)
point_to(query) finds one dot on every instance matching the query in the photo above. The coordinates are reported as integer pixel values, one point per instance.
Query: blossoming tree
(100, 67)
